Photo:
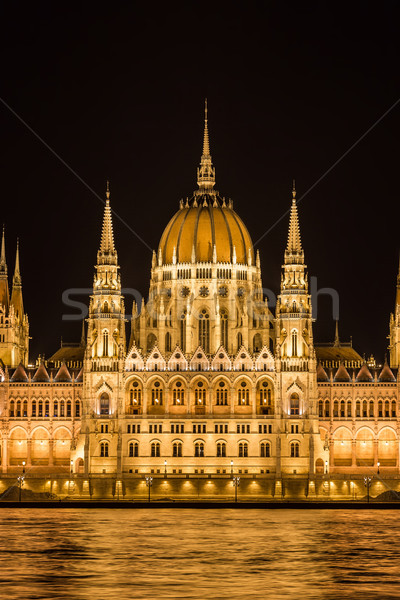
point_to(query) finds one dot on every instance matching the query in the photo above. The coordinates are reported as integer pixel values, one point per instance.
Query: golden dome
(204, 223)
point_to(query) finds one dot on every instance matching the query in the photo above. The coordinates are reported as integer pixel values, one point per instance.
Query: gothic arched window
(224, 329)
(222, 394)
(133, 449)
(295, 449)
(294, 343)
(199, 394)
(294, 405)
(105, 342)
(221, 449)
(104, 404)
(182, 331)
(155, 449)
(156, 394)
(104, 449)
(178, 393)
(243, 449)
(199, 449)
(265, 450)
(243, 394)
(204, 331)
(177, 449)
(168, 342)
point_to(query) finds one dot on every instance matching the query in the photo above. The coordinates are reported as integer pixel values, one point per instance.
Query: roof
(386, 374)
(204, 223)
(68, 354)
(364, 374)
(63, 374)
(19, 374)
(337, 354)
(342, 374)
(41, 374)
(321, 373)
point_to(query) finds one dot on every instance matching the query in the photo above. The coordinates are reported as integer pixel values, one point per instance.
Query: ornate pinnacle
(206, 171)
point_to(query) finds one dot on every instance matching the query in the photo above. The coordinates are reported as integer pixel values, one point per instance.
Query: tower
(104, 359)
(14, 324)
(295, 359)
(394, 328)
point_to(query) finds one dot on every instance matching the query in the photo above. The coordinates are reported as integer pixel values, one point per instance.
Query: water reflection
(199, 554)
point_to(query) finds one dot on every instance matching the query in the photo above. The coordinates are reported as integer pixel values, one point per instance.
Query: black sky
(118, 93)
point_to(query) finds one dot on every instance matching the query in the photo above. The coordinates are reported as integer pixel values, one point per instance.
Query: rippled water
(199, 554)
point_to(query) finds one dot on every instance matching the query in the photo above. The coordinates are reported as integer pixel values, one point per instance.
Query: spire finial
(3, 265)
(16, 295)
(107, 247)
(206, 171)
(294, 248)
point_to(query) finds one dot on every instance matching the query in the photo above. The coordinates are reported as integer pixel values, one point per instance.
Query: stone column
(5, 454)
(375, 453)
(51, 452)
(29, 453)
(353, 453)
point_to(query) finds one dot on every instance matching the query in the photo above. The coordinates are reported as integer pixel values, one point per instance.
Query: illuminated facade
(210, 382)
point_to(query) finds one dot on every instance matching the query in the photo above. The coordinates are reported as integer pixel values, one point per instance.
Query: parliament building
(209, 385)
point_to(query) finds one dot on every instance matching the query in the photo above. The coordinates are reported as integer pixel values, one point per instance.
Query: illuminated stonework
(210, 382)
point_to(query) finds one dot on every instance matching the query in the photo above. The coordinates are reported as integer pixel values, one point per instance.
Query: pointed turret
(206, 171)
(4, 292)
(16, 296)
(107, 254)
(294, 252)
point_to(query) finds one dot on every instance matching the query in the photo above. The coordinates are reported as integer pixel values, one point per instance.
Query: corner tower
(14, 324)
(295, 360)
(104, 358)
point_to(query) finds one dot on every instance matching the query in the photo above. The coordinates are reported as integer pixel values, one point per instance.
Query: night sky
(118, 94)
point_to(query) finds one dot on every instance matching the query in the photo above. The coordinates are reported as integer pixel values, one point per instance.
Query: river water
(101, 554)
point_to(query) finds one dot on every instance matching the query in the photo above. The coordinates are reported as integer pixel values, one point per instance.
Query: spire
(294, 252)
(83, 336)
(107, 253)
(16, 295)
(4, 292)
(336, 343)
(206, 171)
(398, 284)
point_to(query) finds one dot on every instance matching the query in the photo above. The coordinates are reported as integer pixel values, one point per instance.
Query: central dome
(206, 229)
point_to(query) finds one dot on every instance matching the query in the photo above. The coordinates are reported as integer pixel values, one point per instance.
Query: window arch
(156, 394)
(168, 342)
(104, 404)
(204, 330)
(105, 342)
(151, 340)
(294, 405)
(265, 398)
(77, 408)
(62, 408)
(12, 409)
(135, 395)
(155, 449)
(394, 412)
(182, 331)
(68, 408)
(320, 408)
(199, 394)
(294, 342)
(221, 449)
(222, 394)
(243, 449)
(104, 449)
(265, 450)
(294, 449)
(178, 394)
(177, 449)
(257, 342)
(25, 408)
(199, 449)
(34, 408)
(40, 408)
(18, 410)
(243, 394)
(224, 328)
(239, 341)
(133, 449)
